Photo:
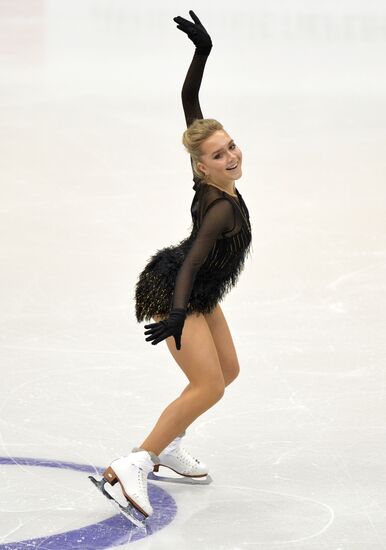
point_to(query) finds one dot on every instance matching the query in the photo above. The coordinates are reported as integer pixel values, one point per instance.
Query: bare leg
(225, 347)
(223, 340)
(199, 361)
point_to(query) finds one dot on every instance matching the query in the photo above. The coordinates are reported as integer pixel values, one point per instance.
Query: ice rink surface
(94, 179)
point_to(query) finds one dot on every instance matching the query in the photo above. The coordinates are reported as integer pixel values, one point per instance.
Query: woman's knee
(224, 344)
(213, 390)
(232, 374)
(198, 356)
(218, 391)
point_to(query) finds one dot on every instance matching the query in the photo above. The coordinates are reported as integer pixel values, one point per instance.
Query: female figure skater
(181, 286)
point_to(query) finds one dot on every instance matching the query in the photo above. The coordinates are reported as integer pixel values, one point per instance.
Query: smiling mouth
(234, 167)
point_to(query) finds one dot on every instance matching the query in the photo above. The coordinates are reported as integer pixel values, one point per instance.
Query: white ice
(94, 179)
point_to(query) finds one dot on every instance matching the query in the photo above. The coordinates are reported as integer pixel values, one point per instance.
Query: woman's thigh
(197, 357)
(223, 341)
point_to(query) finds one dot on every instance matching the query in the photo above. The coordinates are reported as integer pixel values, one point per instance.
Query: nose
(232, 159)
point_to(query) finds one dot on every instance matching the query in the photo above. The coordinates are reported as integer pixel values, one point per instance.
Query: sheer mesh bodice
(198, 271)
(221, 232)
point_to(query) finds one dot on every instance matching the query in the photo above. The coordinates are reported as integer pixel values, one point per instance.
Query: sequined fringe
(155, 286)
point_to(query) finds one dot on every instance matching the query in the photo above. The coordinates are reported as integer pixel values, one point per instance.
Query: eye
(233, 146)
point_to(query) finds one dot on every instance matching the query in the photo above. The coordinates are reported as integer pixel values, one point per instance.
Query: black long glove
(172, 326)
(196, 32)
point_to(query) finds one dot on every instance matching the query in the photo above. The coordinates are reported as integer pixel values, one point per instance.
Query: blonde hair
(194, 136)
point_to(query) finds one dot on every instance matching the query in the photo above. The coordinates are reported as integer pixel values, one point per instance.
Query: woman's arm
(219, 216)
(203, 42)
(189, 94)
(217, 219)
(191, 87)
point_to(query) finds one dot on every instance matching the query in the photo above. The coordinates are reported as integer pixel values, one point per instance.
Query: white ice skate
(177, 458)
(131, 472)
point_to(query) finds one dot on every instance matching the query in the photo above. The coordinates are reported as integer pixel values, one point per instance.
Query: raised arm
(191, 86)
(219, 215)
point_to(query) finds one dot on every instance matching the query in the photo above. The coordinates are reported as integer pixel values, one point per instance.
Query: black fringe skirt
(155, 286)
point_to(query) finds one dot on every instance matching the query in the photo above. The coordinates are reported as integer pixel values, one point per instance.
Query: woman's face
(219, 154)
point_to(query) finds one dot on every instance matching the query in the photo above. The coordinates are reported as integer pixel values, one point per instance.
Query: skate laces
(186, 454)
(142, 477)
(182, 454)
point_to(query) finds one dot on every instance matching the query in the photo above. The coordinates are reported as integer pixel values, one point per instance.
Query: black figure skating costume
(196, 273)
(191, 276)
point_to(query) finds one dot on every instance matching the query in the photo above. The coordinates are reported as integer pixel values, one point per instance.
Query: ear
(201, 166)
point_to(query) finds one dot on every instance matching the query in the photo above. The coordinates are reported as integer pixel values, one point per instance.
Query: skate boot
(178, 459)
(131, 472)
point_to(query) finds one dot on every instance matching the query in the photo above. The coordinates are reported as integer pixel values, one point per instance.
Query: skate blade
(183, 479)
(128, 511)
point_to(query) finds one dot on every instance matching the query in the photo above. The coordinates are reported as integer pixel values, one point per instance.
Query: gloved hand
(196, 32)
(172, 326)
